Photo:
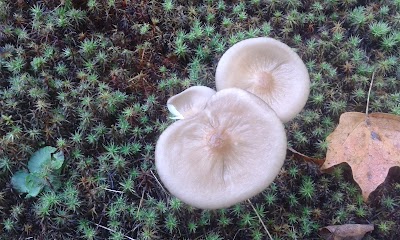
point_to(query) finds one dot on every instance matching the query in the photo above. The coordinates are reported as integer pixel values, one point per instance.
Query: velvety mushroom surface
(223, 155)
(269, 69)
(189, 102)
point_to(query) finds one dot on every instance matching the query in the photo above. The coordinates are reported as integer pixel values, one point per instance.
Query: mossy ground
(92, 78)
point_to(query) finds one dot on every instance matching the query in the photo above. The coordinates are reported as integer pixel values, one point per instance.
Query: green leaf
(57, 160)
(25, 182)
(18, 181)
(42, 157)
(55, 181)
(34, 184)
(42, 165)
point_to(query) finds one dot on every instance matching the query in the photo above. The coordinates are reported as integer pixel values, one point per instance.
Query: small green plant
(192, 227)
(8, 224)
(44, 167)
(171, 223)
(385, 227)
(168, 5)
(224, 221)
(379, 29)
(307, 189)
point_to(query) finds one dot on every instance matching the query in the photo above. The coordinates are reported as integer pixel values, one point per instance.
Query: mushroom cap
(225, 154)
(189, 102)
(269, 69)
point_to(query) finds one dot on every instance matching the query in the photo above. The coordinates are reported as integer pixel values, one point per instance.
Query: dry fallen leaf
(346, 231)
(369, 144)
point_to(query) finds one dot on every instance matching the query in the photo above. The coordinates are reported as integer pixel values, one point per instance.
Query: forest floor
(91, 78)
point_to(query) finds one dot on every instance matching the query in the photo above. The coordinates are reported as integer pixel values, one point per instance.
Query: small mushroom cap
(189, 102)
(269, 69)
(225, 154)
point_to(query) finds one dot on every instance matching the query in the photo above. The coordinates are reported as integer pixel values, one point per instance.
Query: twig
(158, 182)
(140, 204)
(112, 190)
(369, 92)
(261, 221)
(113, 231)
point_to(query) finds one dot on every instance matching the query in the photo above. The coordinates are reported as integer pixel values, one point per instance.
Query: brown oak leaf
(369, 144)
(346, 231)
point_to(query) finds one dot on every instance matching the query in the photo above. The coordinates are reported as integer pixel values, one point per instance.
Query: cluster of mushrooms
(229, 145)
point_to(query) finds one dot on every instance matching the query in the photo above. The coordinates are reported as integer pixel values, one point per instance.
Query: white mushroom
(225, 154)
(269, 69)
(189, 102)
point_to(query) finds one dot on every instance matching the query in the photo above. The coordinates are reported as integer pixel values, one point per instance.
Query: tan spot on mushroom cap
(264, 82)
(225, 154)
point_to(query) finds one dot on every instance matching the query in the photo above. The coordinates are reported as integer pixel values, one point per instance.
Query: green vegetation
(91, 78)
(44, 167)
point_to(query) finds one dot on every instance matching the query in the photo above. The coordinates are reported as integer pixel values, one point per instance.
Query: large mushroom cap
(225, 154)
(269, 69)
(189, 102)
